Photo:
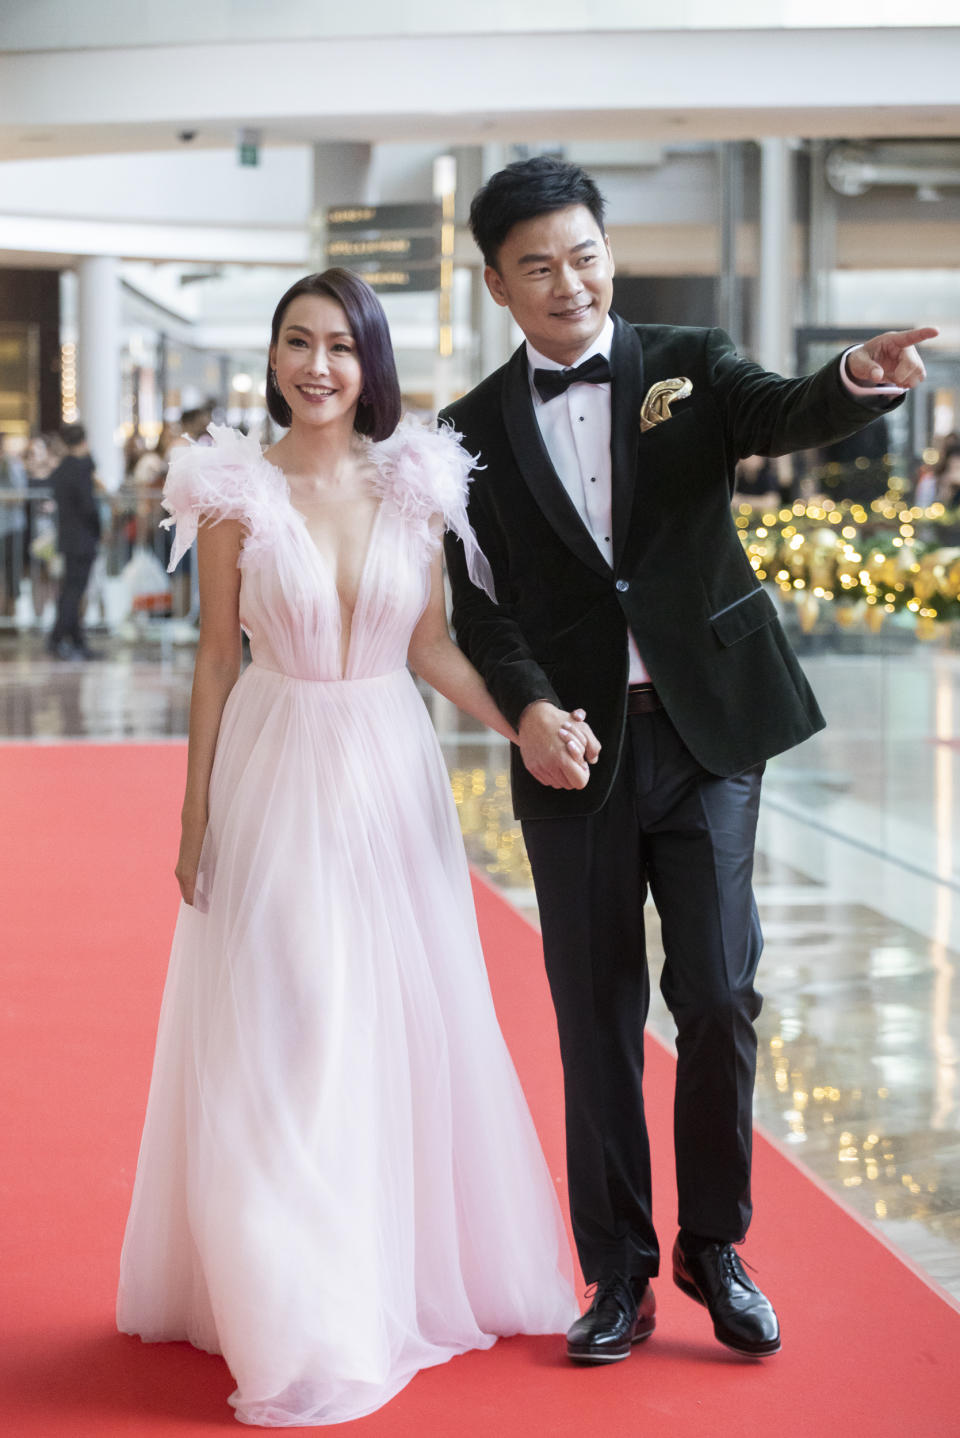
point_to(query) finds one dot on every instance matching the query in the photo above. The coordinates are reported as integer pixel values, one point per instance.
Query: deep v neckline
(323, 565)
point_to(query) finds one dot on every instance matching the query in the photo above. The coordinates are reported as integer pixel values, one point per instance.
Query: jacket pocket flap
(735, 621)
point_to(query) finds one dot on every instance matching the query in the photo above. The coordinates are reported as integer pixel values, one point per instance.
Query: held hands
(890, 358)
(557, 747)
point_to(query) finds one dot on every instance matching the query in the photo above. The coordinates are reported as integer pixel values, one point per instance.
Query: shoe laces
(733, 1264)
(615, 1286)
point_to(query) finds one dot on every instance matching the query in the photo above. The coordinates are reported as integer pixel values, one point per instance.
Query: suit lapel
(534, 464)
(626, 361)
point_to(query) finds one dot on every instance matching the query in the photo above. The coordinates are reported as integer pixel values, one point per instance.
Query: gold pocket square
(660, 396)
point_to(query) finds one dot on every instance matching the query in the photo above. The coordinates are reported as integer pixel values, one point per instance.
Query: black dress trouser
(689, 836)
(76, 573)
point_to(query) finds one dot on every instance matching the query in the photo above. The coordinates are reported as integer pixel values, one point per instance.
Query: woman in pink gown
(339, 1181)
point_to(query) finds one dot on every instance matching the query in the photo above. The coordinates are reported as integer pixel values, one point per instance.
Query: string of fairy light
(865, 561)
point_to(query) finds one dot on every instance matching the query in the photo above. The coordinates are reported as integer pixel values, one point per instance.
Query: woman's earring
(364, 397)
(273, 379)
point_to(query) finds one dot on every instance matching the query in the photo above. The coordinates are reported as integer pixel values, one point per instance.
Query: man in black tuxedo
(78, 535)
(605, 463)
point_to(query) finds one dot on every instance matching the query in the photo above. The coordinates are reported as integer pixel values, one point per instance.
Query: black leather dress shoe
(743, 1318)
(622, 1313)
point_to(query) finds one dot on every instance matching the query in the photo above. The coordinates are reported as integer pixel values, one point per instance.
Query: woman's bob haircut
(378, 412)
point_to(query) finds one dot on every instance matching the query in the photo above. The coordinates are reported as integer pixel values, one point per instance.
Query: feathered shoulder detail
(425, 474)
(228, 479)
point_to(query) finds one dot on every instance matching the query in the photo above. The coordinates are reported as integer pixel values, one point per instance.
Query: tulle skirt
(339, 1182)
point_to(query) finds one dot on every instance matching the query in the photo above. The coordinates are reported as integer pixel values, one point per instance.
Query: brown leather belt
(642, 699)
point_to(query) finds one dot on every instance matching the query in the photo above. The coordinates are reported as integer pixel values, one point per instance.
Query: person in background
(758, 482)
(13, 524)
(193, 426)
(193, 429)
(857, 467)
(169, 431)
(938, 480)
(40, 459)
(148, 476)
(946, 475)
(78, 535)
(133, 448)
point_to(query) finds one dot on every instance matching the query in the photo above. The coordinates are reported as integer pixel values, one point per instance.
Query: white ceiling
(36, 25)
(485, 88)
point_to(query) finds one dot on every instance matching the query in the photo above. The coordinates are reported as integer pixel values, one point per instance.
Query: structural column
(492, 322)
(776, 290)
(729, 300)
(98, 368)
(341, 176)
(821, 238)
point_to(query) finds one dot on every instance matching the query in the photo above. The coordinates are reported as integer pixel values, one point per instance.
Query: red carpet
(87, 905)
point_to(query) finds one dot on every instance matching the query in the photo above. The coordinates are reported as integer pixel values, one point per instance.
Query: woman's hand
(192, 831)
(557, 747)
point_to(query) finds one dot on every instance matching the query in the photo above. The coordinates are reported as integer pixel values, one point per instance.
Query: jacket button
(622, 585)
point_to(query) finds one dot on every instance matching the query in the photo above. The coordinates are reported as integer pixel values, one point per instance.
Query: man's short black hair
(73, 434)
(524, 190)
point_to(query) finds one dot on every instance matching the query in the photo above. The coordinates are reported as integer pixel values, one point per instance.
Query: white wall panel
(184, 187)
(64, 24)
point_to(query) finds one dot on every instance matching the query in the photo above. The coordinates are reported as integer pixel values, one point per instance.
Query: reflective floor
(858, 881)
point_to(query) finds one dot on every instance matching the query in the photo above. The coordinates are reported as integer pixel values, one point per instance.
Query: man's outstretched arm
(764, 413)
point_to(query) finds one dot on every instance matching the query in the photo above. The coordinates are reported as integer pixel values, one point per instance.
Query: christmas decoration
(865, 562)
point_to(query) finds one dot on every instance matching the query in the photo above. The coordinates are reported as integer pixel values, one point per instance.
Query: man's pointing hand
(890, 358)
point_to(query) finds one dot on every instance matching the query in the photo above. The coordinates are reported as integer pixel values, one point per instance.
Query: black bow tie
(551, 382)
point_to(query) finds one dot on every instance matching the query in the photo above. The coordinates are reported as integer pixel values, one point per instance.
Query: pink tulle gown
(339, 1181)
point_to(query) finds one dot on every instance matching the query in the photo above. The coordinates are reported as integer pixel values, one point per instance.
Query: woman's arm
(216, 671)
(434, 656)
(489, 635)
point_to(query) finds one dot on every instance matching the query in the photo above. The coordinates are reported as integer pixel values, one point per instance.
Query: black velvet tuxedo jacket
(706, 629)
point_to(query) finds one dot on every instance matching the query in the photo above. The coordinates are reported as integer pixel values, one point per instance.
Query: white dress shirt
(575, 427)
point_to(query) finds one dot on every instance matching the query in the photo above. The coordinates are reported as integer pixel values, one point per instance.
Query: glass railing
(129, 585)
